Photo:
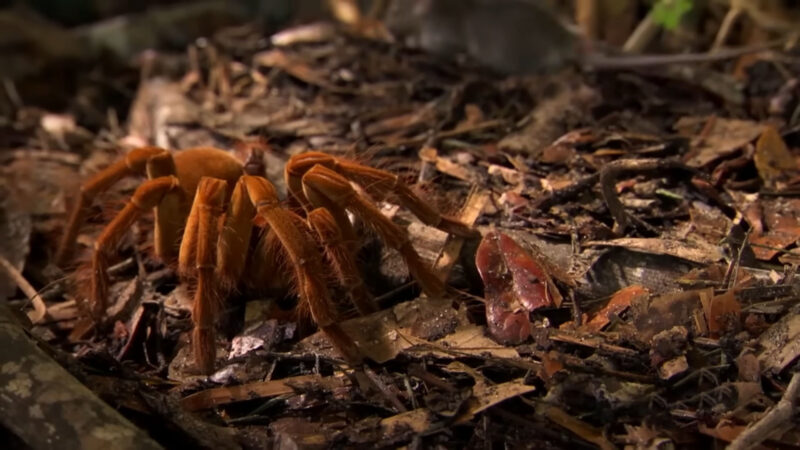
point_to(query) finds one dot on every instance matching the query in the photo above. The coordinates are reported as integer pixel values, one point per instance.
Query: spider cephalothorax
(206, 204)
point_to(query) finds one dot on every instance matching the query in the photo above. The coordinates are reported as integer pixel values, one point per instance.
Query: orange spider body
(206, 204)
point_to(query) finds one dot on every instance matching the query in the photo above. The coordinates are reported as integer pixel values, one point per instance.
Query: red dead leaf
(770, 243)
(618, 303)
(515, 284)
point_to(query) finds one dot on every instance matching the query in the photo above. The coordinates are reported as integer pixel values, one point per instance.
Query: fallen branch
(46, 407)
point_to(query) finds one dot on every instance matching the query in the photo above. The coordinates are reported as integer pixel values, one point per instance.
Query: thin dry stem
(39, 308)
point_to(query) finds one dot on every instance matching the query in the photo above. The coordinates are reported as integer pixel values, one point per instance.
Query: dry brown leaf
(769, 244)
(748, 367)
(485, 394)
(417, 420)
(423, 327)
(304, 34)
(451, 251)
(472, 116)
(654, 315)
(747, 391)
(708, 223)
(229, 394)
(449, 167)
(722, 312)
(674, 367)
(695, 251)
(619, 302)
(579, 427)
(551, 364)
(298, 69)
(780, 344)
(467, 340)
(646, 437)
(724, 137)
(772, 157)
(401, 124)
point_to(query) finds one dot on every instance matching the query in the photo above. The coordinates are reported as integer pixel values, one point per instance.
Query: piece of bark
(47, 408)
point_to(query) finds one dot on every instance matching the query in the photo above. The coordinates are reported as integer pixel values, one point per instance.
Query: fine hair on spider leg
(204, 316)
(207, 212)
(81, 264)
(270, 257)
(97, 216)
(146, 197)
(397, 238)
(132, 163)
(265, 258)
(303, 308)
(284, 265)
(342, 259)
(227, 285)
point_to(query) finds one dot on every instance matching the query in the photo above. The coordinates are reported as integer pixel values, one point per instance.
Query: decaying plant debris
(654, 219)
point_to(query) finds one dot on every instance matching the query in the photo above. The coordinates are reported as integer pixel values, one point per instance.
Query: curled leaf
(515, 283)
(772, 157)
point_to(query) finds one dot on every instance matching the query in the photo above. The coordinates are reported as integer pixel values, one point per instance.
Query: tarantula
(206, 205)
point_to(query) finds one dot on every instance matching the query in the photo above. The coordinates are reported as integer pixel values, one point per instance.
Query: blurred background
(45, 42)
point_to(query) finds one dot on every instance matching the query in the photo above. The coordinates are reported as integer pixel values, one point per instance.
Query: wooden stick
(39, 308)
(779, 416)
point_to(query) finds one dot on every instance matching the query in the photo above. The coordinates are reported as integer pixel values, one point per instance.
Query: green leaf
(668, 13)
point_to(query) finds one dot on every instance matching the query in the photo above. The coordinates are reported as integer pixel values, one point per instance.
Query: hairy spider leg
(322, 187)
(342, 259)
(198, 256)
(235, 238)
(133, 163)
(306, 262)
(188, 165)
(146, 196)
(378, 183)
